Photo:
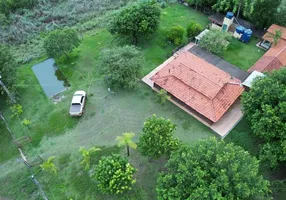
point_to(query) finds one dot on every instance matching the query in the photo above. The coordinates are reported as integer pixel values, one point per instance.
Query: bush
(215, 41)
(176, 34)
(114, 174)
(193, 29)
(121, 66)
(162, 97)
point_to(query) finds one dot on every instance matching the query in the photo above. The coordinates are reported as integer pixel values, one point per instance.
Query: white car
(78, 103)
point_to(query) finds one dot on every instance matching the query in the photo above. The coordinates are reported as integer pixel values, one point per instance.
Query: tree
(277, 36)
(212, 169)
(60, 42)
(201, 3)
(269, 10)
(281, 13)
(215, 41)
(140, 19)
(114, 174)
(126, 139)
(86, 155)
(49, 165)
(176, 35)
(7, 69)
(265, 107)
(122, 66)
(247, 6)
(193, 29)
(157, 138)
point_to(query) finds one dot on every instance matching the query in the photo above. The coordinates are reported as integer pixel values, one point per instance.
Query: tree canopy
(7, 68)
(212, 169)
(140, 19)
(215, 41)
(265, 108)
(122, 66)
(61, 42)
(157, 138)
(236, 6)
(114, 174)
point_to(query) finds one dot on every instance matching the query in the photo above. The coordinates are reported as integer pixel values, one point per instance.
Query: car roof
(76, 99)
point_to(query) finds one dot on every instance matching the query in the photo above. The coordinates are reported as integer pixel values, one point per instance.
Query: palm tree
(277, 35)
(49, 165)
(126, 139)
(86, 153)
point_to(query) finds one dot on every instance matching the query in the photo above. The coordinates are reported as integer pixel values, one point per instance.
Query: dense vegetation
(212, 170)
(265, 108)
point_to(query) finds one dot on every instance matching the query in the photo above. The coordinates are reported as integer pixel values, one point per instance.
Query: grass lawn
(55, 133)
(243, 55)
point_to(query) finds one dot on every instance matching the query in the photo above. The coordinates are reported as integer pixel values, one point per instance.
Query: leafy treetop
(140, 19)
(114, 174)
(157, 138)
(61, 42)
(212, 170)
(265, 107)
(122, 66)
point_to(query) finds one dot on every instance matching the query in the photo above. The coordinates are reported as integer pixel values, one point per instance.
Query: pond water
(50, 78)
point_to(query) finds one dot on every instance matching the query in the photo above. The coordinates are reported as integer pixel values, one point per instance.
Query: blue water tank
(240, 29)
(229, 15)
(246, 35)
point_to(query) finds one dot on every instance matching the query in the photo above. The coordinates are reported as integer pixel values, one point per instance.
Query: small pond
(50, 78)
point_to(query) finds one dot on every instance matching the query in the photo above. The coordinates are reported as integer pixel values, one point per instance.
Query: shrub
(215, 41)
(176, 34)
(162, 96)
(114, 174)
(122, 66)
(193, 29)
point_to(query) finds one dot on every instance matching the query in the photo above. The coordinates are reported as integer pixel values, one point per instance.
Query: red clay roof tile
(202, 86)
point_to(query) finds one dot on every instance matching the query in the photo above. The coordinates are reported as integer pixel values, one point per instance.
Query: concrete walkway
(228, 120)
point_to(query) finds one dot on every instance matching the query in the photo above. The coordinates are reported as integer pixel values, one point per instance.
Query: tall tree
(158, 138)
(265, 108)
(126, 140)
(61, 42)
(140, 19)
(214, 170)
(264, 12)
(121, 66)
(246, 6)
(86, 156)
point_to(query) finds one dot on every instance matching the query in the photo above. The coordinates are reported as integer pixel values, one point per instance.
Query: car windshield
(77, 104)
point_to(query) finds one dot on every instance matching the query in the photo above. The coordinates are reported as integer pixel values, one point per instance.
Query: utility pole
(7, 91)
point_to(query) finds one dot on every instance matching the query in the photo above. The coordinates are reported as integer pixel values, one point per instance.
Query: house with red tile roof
(198, 85)
(275, 57)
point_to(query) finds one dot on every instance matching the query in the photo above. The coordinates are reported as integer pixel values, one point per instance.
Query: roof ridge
(202, 75)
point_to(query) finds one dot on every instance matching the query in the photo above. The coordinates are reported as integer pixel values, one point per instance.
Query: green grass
(107, 115)
(243, 55)
(55, 133)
